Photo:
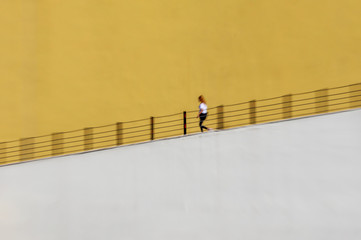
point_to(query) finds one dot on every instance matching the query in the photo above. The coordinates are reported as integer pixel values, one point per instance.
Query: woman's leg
(200, 124)
(202, 117)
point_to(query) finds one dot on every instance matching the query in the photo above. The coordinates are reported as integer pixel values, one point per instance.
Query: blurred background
(72, 64)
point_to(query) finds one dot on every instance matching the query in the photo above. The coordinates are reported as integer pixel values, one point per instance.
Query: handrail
(177, 124)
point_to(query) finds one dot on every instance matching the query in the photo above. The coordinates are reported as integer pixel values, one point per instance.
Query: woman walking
(202, 114)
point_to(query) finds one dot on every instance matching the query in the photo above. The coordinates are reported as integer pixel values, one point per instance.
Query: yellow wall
(69, 64)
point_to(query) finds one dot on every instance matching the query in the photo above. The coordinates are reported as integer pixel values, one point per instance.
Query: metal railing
(220, 117)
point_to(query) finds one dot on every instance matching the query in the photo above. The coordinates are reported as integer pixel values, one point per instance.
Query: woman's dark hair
(201, 99)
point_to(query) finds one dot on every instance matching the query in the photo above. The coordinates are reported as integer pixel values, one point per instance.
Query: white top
(203, 108)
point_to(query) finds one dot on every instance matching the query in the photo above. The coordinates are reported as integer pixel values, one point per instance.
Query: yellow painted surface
(70, 64)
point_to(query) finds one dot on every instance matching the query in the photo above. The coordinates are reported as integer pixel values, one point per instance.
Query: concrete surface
(297, 179)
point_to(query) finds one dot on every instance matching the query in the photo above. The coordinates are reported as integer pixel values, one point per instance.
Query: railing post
(185, 123)
(57, 144)
(88, 139)
(355, 95)
(287, 106)
(220, 124)
(252, 112)
(321, 101)
(3, 153)
(151, 128)
(26, 148)
(119, 133)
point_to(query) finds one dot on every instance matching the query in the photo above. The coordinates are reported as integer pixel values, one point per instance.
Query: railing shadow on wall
(220, 117)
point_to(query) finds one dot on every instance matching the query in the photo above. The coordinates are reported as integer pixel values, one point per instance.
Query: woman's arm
(200, 111)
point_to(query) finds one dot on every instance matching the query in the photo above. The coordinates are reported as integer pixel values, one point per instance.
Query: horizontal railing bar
(304, 93)
(170, 115)
(341, 87)
(38, 157)
(48, 141)
(334, 88)
(180, 129)
(6, 157)
(171, 135)
(139, 120)
(267, 115)
(211, 108)
(104, 126)
(335, 104)
(104, 137)
(71, 152)
(211, 124)
(147, 130)
(104, 141)
(233, 126)
(136, 141)
(242, 114)
(348, 96)
(269, 105)
(156, 123)
(191, 123)
(312, 98)
(20, 150)
(193, 127)
(244, 109)
(137, 136)
(236, 104)
(196, 122)
(63, 143)
(212, 119)
(334, 94)
(268, 99)
(101, 147)
(174, 125)
(66, 138)
(303, 109)
(28, 144)
(146, 125)
(33, 153)
(235, 120)
(294, 101)
(323, 101)
(18, 140)
(55, 144)
(268, 110)
(72, 131)
(270, 120)
(194, 111)
(97, 133)
(67, 147)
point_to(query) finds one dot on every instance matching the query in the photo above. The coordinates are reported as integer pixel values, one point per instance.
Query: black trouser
(202, 117)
